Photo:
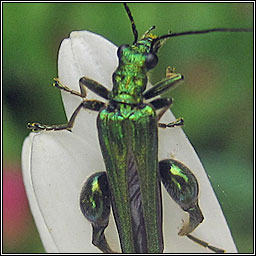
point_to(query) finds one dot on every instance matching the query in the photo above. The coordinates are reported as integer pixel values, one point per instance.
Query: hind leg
(95, 204)
(182, 186)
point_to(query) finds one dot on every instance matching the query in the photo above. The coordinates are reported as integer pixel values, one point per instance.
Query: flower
(56, 163)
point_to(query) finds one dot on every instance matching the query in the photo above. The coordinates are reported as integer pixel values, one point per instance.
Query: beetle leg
(95, 203)
(182, 186)
(87, 104)
(84, 83)
(165, 85)
(65, 88)
(161, 103)
(164, 104)
(171, 80)
(205, 244)
(177, 122)
(94, 86)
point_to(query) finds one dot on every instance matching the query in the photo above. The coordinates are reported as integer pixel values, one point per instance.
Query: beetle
(131, 185)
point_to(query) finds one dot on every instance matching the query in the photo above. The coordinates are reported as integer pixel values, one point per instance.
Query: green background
(216, 99)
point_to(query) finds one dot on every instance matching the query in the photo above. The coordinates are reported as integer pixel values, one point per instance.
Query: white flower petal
(55, 165)
(46, 237)
(60, 161)
(214, 229)
(90, 55)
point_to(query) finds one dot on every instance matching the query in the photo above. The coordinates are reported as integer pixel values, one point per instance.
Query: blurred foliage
(216, 99)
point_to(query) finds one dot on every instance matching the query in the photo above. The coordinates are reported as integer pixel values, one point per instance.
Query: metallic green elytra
(128, 135)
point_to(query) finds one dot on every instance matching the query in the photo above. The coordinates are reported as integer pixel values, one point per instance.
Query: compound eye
(151, 60)
(120, 49)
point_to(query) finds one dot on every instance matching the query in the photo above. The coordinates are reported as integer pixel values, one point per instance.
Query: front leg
(182, 186)
(84, 83)
(95, 201)
(65, 88)
(86, 104)
(94, 86)
(171, 80)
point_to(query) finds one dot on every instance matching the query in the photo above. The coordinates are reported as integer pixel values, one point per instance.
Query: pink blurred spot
(16, 216)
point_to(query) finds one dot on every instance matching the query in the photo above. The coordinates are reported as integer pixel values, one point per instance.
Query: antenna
(202, 32)
(134, 30)
(206, 31)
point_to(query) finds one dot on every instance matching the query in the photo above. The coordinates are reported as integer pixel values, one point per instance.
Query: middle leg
(164, 104)
(86, 104)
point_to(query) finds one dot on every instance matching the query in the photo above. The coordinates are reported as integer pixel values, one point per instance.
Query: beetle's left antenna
(201, 32)
(134, 30)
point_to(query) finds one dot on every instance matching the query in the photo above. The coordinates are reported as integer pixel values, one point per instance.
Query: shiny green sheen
(94, 198)
(123, 155)
(180, 182)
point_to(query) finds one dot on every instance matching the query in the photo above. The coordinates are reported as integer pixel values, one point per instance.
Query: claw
(35, 127)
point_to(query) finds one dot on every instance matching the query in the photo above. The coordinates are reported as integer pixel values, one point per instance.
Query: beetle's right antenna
(134, 30)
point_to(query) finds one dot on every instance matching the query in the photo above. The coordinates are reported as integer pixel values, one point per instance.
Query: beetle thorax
(129, 81)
